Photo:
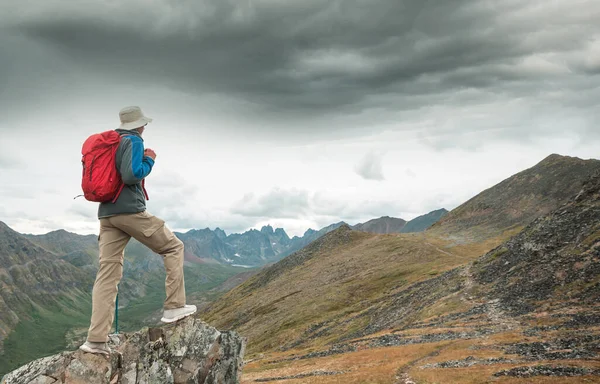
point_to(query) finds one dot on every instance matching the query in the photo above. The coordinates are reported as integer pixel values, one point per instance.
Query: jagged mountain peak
(309, 232)
(200, 231)
(267, 229)
(220, 233)
(280, 231)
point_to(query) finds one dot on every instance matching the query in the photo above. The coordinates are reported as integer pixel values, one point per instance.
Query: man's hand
(150, 153)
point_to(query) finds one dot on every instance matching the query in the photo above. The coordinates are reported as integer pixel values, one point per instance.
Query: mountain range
(256, 248)
(46, 280)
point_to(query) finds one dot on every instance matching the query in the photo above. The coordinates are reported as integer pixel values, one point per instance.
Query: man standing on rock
(126, 218)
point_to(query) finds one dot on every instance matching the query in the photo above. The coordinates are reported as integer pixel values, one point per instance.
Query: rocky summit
(189, 351)
(517, 201)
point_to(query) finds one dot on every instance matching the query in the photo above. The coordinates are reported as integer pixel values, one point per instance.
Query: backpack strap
(118, 193)
(122, 183)
(144, 189)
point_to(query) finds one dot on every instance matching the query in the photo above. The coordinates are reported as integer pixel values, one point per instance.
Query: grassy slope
(328, 292)
(43, 333)
(337, 294)
(448, 315)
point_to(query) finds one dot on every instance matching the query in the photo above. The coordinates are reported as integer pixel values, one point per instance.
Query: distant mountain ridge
(383, 225)
(63, 242)
(255, 248)
(423, 222)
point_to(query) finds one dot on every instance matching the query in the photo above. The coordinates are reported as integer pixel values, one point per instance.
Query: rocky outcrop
(189, 351)
(556, 258)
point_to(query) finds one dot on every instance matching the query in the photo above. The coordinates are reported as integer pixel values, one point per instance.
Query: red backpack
(101, 181)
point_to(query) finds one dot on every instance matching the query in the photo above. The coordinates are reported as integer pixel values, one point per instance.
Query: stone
(188, 351)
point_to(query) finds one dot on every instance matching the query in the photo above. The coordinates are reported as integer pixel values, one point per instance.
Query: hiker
(127, 217)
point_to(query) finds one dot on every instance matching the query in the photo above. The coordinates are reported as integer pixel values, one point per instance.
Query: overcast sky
(298, 113)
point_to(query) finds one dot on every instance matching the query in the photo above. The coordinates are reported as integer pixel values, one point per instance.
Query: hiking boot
(91, 347)
(172, 315)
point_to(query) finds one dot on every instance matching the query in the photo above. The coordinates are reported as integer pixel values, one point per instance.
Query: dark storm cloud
(369, 61)
(314, 54)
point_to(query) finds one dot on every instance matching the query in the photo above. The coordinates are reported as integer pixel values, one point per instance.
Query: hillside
(297, 243)
(518, 200)
(39, 294)
(317, 294)
(355, 305)
(554, 264)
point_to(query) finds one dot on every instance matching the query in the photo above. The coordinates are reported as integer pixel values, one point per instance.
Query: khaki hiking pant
(115, 233)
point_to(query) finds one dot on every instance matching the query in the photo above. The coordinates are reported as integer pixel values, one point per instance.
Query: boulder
(189, 351)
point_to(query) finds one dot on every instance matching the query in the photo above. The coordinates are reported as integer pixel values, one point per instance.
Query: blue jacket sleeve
(134, 165)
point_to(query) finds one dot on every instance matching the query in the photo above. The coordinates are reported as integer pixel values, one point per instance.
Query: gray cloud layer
(290, 204)
(382, 57)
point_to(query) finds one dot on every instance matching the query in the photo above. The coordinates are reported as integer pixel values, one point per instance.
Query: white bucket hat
(132, 118)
